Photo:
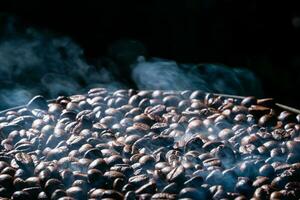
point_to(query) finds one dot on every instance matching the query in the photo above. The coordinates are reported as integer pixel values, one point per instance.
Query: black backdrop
(260, 35)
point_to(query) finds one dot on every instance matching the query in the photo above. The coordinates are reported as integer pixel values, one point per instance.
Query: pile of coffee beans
(129, 144)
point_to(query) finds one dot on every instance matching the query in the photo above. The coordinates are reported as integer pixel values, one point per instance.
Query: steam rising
(34, 62)
(39, 63)
(166, 74)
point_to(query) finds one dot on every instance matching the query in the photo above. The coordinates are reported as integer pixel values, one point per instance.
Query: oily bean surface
(128, 144)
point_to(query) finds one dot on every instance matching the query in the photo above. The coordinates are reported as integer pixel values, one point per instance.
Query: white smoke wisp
(169, 75)
(35, 62)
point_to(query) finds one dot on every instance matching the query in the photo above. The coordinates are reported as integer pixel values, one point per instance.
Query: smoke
(36, 62)
(169, 75)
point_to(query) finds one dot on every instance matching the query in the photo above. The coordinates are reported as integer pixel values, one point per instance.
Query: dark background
(260, 35)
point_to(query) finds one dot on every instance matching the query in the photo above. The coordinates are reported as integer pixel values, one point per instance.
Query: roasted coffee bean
(130, 196)
(293, 146)
(113, 160)
(139, 180)
(58, 194)
(244, 186)
(193, 193)
(4, 193)
(99, 164)
(42, 196)
(267, 170)
(6, 180)
(149, 144)
(21, 195)
(194, 126)
(147, 161)
(194, 182)
(176, 175)
(111, 176)
(76, 193)
(148, 188)
(53, 184)
(194, 143)
(163, 196)
(24, 161)
(267, 120)
(95, 177)
(93, 154)
(38, 102)
(110, 194)
(249, 101)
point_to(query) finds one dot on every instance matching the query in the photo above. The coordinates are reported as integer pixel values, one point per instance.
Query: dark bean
(6, 180)
(293, 146)
(112, 194)
(163, 196)
(176, 175)
(38, 102)
(193, 193)
(195, 126)
(111, 176)
(118, 184)
(130, 196)
(4, 193)
(76, 193)
(99, 164)
(194, 182)
(42, 196)
(194, 143)
(21, 195)
(95, 177)
(93, 154)
(148, 188)
(262, 180)
(51, 185)
(248, 101)
(24, 161)
(266, 170)
(8, 170)
(286, 117)
(58, 194)
(171, 100)
(267, 121)
(244, 186)
(113, 160)
(139, 180)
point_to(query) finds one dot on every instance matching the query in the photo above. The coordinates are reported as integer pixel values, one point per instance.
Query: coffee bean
(193, 193)
(266, 170)
(144, 144)
(163, 196)
(95, 177)
(93, 154)
(58, 194)
(4, 193)
(244, 186)
(42, 196)
(38, 102)
(130, 196)
(51, 185)
(194, 182)
(6, 180)
(76, 193)
(267, 121)
(21, 195)
(176, 175)
(248, 101)
(148, 188)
